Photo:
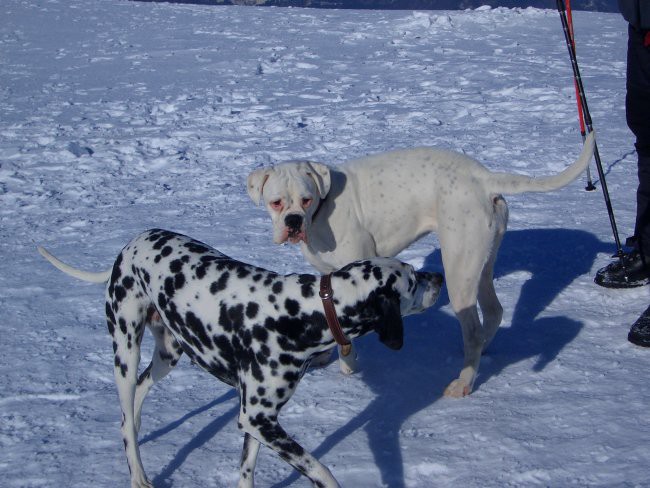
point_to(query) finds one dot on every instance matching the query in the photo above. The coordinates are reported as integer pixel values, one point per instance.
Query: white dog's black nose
(293, 221)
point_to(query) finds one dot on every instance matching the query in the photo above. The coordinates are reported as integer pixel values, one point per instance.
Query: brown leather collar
(326, 295)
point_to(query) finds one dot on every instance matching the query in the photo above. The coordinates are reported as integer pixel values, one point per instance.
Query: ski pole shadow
(413, 379)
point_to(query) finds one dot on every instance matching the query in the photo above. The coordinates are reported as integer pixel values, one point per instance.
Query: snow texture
(120, 116)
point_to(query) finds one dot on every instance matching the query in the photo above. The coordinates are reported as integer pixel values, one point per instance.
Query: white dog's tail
(510, 184)
(101, 277)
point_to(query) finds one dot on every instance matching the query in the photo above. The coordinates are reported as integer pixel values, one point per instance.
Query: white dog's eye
(276, 204)
(306, 202)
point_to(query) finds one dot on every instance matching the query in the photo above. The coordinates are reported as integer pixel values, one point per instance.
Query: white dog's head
(291, 193)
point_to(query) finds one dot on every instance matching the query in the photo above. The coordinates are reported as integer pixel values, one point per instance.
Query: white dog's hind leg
(473, 340)
(464, 261)
(491, 308)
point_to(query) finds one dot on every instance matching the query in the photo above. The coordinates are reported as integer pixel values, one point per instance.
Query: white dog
(379, 205)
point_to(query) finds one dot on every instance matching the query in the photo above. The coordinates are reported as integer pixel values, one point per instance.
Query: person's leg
(633, 268)
(637, 111)
(638, 119)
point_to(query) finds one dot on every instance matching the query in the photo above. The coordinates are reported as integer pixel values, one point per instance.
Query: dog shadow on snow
(414, 378)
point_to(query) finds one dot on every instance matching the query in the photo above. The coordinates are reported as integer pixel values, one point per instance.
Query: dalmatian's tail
(101, 277)
(511, 184)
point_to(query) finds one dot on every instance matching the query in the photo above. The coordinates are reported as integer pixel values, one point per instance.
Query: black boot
(640, 332)
(627, 272)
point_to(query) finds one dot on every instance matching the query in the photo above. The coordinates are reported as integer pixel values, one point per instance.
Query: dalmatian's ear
(391, 327)
(255, 183)
(320, 173)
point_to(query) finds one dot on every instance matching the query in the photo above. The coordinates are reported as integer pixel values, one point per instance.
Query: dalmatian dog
(253, 329)
(380, 204)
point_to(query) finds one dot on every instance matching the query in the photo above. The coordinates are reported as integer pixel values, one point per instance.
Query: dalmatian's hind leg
(165, 356)
(126, 317)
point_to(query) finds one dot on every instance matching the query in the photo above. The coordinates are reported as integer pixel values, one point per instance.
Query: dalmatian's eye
(306, 202)
(276, 204)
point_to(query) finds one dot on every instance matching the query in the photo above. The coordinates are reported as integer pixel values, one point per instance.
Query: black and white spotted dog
(251, 328)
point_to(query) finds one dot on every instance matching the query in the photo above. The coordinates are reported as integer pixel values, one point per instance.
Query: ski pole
(581, 119)
(588, 122)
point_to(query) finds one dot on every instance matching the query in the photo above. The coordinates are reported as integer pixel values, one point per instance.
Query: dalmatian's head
(394, 290)
(291, 193)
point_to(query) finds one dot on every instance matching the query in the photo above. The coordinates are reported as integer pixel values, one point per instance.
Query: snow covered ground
(118, 116)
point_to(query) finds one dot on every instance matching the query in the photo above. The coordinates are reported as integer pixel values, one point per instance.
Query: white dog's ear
(320, 173)
(255, 183)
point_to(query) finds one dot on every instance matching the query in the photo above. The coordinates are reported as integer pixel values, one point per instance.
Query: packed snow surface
(118, 116)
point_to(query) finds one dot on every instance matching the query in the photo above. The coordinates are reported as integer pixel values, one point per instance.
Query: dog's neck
(354, 323)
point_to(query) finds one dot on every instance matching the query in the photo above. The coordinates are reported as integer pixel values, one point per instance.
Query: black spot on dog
(128, 282)
(179, 281)
(123, 367)
(231, 317)
(220, 284)
(145, 276)
(110, 318)
(260, 334)
(169, 287)
(286, 359)
(201, 271)
(277, 287)
(122, 323)
(292, 306)
(251, 310)
(176, 266)
(119, 293)
(197, 248)
(161, 239)
(307, 285)
(198, 329)
(292, 377)
(376, 272)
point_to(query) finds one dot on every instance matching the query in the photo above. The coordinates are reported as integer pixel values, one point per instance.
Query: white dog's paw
(141, 482)
(348, 364)
(458, 389)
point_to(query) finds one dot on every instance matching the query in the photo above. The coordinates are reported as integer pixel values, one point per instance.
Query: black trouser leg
(637, 110)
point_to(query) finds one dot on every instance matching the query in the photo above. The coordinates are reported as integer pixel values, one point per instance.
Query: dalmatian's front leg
(268, 431)
(248, 460)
